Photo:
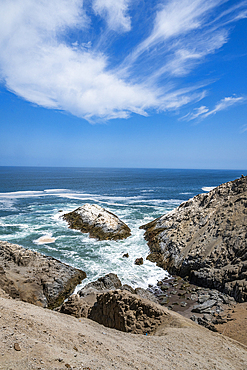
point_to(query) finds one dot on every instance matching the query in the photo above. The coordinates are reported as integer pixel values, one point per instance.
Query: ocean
(32, 200)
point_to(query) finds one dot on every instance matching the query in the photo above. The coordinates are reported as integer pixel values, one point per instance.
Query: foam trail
(208, 188)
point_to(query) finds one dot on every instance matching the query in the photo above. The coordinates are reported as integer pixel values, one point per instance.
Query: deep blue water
(31, 198)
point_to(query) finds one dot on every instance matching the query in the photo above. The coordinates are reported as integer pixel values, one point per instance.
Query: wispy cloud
(48, 54)
(203, 112)
(115, 13)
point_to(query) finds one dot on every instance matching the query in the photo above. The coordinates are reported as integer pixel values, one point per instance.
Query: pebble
(17, 347)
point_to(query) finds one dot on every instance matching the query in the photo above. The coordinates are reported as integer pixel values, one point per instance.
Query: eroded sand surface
(36, 338)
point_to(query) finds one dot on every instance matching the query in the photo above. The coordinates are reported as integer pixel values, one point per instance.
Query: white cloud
(39, 62)
(176, 18)
(115, 13)
(203, 112)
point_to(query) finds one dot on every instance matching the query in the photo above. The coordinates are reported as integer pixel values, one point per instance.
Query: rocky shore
(205, 239)
(98, 222)
(202, 244)
(34, 278)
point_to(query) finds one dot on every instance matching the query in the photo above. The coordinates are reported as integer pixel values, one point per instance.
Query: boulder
(35, 278)
(205, 238)
(98, 222)
(139, 261)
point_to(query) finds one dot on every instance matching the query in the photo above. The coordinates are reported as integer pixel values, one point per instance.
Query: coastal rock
(107, 282)
(128, 312)
(34, 278)
(98, 222)
(205, 238)
(82, 303)
(204, 306)
(139, 261)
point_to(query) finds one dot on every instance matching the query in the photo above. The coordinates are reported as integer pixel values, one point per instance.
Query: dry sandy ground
(36, 338)
(237, 327)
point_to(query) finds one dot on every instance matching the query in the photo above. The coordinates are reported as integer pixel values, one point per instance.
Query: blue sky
(127, 83)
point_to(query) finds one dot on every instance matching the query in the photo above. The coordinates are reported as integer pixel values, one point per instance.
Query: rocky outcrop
(128, 312)
(80, 304)
(124, 311)
(34, 278)
(98, 222)
(205, 238)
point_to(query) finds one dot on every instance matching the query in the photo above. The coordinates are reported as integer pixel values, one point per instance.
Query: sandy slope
(51, 340)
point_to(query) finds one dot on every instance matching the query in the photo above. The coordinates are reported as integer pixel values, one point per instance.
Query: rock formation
(124, 311)
(205, 238)
(80, 304)
(34, 278)
(129, 312)
(98, 222)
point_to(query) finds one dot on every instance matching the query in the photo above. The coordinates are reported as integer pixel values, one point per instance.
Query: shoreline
(180, 296)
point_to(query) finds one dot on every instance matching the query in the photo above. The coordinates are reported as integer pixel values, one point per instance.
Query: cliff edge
(205, 238)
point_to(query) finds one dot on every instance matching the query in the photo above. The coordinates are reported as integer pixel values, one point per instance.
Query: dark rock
(107, 282)
(126, 255)
(128, 288)
(205, 238)
(98, 222)
(206, 324)
(204, 306)
(203, 298)
(139, 261)
(34, 278)
(144, 293)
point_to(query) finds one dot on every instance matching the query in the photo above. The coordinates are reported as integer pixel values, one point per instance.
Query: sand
(36, 338)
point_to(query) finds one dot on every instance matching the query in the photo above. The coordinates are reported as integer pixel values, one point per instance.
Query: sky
(123, 83)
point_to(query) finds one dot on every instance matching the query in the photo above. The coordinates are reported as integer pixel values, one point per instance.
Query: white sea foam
(44, 226)
(21, 194)
(208, 188)
(55, 190)
(7, 205)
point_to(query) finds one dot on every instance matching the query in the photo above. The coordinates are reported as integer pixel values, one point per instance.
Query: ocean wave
(208, 188)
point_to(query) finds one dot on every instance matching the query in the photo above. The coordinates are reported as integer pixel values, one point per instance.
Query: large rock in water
(34, 278)
(206, 239)
(98, 222)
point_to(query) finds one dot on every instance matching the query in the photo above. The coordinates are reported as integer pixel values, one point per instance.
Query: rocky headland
(205, 239)
(98, 222)
(35, 278)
